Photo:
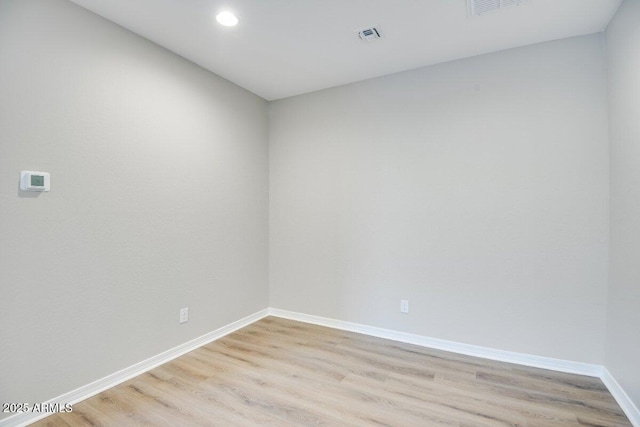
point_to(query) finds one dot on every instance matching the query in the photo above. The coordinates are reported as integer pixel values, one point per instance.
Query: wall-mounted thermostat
(35, 181)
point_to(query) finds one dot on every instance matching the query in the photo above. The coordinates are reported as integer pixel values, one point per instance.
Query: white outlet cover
(404, 306)
(184, 315)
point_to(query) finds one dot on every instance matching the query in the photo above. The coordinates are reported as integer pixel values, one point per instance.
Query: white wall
(477, 190)
(623, 334)
(159, 199)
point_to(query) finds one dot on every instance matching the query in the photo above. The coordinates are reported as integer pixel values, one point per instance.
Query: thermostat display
(35, 181)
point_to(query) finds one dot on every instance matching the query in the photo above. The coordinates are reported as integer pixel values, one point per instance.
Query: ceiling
(283, 48)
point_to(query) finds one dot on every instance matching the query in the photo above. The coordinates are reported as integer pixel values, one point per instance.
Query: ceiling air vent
(369, 34)
(480, 7)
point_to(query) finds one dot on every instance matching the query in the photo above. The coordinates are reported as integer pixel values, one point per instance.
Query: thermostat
(35, 181)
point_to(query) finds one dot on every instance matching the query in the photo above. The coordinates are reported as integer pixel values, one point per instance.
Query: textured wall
(623, 334)
(158, 199)
(476, 189)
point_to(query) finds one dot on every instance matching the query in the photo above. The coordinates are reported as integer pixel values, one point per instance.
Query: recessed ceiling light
(227, 19)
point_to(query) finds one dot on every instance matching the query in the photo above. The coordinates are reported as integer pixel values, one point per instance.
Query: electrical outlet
(404, 306)
(184, 314)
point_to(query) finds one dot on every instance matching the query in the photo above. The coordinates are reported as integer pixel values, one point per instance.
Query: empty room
(320, 212)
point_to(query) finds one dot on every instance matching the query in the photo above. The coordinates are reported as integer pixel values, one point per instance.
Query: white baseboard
(454, 347)
(559, 365)
(86, 391)
(618, 393)
(114, 379)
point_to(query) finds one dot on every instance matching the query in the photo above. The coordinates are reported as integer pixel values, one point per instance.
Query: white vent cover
(479, 7)
(369, 34)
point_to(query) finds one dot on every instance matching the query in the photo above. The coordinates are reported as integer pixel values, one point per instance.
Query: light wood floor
(277, 372)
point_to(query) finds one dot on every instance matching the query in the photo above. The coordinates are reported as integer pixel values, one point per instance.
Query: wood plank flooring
(278, 372)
